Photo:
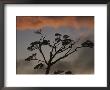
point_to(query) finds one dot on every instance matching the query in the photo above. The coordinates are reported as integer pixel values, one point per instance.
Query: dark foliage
(32, 57)
(88, 44)
(65, 36)
(39, 66)
(45, 42)
(68, 72)
(66, 41)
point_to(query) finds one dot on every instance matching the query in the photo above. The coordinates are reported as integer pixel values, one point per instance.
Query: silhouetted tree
(61, 44)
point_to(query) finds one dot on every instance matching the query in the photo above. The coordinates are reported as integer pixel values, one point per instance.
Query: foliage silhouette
(39, 66)
(61, 44)
(68, 72)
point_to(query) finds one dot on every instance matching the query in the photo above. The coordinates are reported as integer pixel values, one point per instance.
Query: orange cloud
(37, 22)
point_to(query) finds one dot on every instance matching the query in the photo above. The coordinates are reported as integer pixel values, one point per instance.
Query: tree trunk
(47, 69)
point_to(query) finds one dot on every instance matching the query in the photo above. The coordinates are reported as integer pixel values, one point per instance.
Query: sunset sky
(33, 22)
(75, 26)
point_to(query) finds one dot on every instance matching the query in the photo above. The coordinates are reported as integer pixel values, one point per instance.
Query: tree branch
(43, 55)
(34, 59)
(57, 52)
(68, 51)
(51, 52)
(74, 50)
(40, 50)
(53, 47)
(65, 55)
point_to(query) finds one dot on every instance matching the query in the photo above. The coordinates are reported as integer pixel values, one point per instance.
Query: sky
(38, 22)
(75, 26)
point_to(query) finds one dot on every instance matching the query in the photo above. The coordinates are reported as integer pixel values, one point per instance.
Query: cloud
(37, 22)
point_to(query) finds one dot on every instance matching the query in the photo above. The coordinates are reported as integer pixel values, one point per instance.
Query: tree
(61, 44)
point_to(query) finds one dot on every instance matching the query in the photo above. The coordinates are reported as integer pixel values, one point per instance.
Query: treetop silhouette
(61, 44)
